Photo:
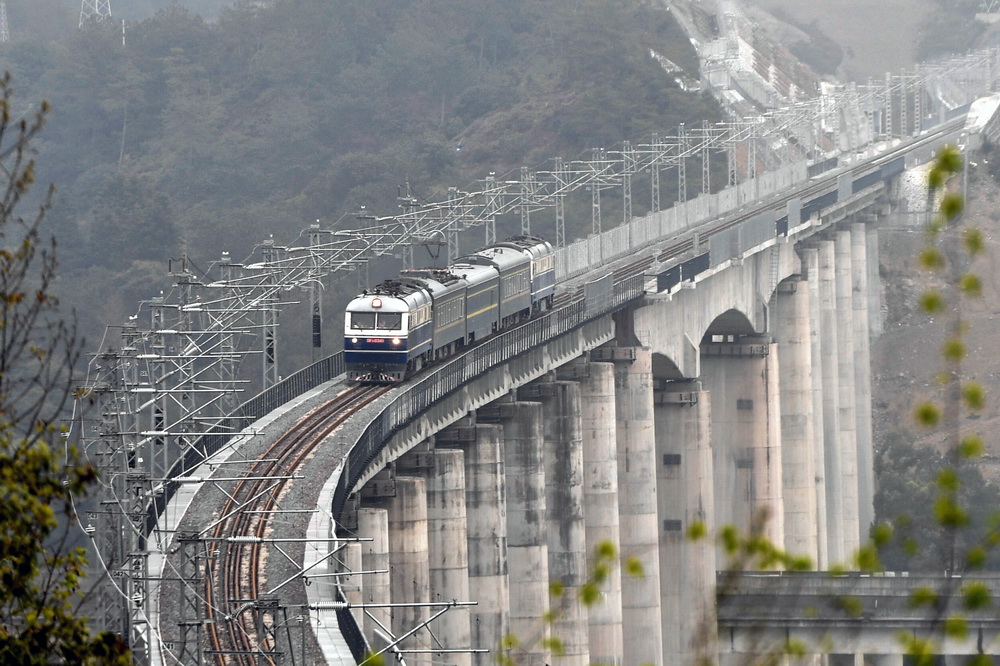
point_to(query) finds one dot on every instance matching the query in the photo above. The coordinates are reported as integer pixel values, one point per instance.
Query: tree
(40, 573)
(907, 492)
(132, 222)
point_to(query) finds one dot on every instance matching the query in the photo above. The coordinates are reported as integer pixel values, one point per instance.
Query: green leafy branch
(958, 394)
(40, 574)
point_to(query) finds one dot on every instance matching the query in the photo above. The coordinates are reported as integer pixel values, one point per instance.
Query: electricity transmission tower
(4, 32)
(96, 10)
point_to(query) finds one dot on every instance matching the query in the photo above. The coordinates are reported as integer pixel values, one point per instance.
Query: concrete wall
(617, 240)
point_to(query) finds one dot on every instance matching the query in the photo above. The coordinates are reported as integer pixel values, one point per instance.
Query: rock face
(907, 355)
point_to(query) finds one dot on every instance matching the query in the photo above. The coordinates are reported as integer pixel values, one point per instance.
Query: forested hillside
(199, 137)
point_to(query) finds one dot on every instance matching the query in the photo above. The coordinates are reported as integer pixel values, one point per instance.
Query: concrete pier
(830, 380)
(486, 511)
(375, 587)
(567, 540)
(637, 504)
(863, 376)
(810, 264)
(448, 551)
(685, 496)
(793, 338)
(600, 499)
(350, 559)
(527, 541)
(747, 465)
(768, 465)
(409, 559)
(848, 422)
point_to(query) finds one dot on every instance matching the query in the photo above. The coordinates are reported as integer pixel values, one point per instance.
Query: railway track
(233, 588)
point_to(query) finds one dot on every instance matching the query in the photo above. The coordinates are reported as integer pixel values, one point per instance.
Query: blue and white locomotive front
(385, 329)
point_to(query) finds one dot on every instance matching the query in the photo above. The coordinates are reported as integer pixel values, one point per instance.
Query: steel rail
(240, 566)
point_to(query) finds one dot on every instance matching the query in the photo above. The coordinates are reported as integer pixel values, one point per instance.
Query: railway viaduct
(714, 373)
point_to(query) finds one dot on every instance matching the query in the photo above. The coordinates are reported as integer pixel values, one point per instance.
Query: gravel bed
(206, 505)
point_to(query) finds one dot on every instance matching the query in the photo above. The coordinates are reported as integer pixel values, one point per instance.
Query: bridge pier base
(888, 659)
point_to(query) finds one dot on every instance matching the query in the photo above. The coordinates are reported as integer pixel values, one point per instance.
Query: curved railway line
(237, 581)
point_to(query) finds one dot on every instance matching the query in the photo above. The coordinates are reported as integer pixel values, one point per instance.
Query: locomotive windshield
(383, 321)
(389, 321)
(362, 320)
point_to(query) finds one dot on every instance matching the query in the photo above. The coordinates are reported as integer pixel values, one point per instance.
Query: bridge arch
(730, 323)
(731, 302)
(666, 368)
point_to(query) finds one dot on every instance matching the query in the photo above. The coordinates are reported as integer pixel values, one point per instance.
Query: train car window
(362, 320)
(544, 265)
(389, 321)
(419, 316)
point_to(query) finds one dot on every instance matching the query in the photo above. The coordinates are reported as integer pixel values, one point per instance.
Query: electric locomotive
(384, 328)
(427, 314)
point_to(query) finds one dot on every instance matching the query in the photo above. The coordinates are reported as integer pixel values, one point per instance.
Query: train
(423, 315)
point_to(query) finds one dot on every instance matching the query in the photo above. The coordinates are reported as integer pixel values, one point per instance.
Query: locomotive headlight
(396, 341)
(376, 302)
(354, 340)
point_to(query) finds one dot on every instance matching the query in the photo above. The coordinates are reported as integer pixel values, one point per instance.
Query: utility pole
(96, 10)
